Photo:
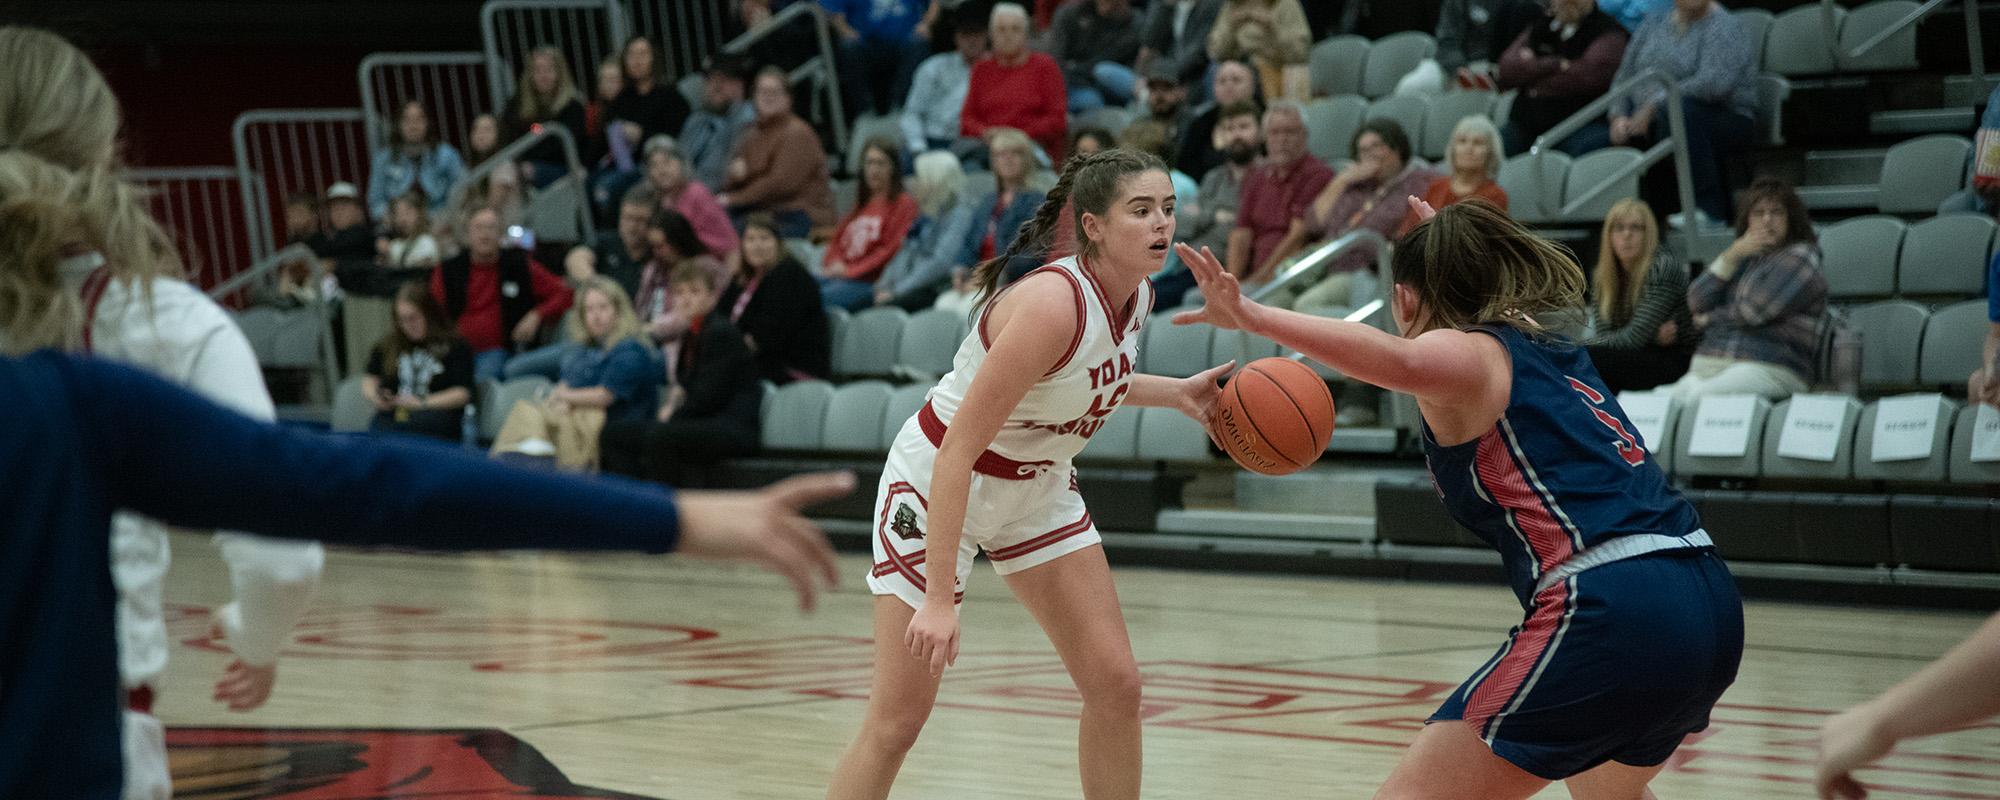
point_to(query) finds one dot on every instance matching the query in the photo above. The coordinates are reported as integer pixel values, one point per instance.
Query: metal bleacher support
(585, 31)
(202, 209)
(282, 151)
(453, 87)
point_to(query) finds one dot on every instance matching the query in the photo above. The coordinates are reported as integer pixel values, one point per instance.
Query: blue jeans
(866, 62)
(1111, 84)
(543, 361)
(792, 223)
(489, 365)
(847, 294)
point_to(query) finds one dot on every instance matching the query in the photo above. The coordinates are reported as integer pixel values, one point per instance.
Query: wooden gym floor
(551, 676)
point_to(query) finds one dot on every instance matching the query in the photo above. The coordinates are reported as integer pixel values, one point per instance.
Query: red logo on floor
(324, 764)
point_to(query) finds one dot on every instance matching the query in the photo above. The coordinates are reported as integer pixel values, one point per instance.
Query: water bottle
(1846, 366)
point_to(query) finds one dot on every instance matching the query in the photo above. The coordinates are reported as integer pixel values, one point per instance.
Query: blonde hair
(1618, 285)
(1001, 138)
(53, 101)
(624, 326)
(530, 105)
(1472, 265)
(940, 178)
(1481, 125)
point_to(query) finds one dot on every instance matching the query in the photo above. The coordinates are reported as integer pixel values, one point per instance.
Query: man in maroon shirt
(1275, 193)
(498, 298)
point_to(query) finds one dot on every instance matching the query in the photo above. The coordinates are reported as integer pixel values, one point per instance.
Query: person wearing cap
(711, 131)
(1096, 42)
(937, 93)
(1176, 35)
(1167, 102)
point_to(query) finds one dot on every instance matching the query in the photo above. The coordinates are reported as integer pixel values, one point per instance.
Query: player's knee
(896, 732)
(1113, 691)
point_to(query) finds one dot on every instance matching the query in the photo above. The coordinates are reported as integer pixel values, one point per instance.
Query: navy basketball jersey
(1562, 470)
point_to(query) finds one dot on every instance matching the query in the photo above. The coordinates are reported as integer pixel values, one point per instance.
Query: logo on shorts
(905, 524)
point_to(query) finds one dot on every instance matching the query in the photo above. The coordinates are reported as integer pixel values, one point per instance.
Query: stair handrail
(1675, 144)
(1312, 265)
(1974, 42)
(823, 64)
(537, 133)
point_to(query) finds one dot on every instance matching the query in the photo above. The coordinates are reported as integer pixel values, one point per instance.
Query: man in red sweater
(498, 298)
(1016, 87)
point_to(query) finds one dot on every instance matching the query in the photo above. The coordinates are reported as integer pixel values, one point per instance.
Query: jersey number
(1627, 444)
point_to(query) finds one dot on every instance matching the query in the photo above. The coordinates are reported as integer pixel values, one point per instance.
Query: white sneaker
(535, 447)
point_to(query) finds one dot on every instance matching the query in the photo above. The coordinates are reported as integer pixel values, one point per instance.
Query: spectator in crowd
(482, 140)
(499, 190)
(414, 159)
(545, 94)
(611, 375)
(409, 244)
(1096, 42)
(998, 217)
(1708, 51)
(1983, 386)
(937, 94)
(1216, 201)
(295, 283)
(787, 48)
(649, 105)
(1558, 65)
(620, 255)
(1234, 83)
(1175, 39)
(872, 233)
(936, 244)
(1090, 141)
(1016, 87)
(675, 245)
(597, 113)
(780, 166)
(1644, 333)
(667, 174)
(419, 377)
(1373, 195)
(1271, 35)
(498, 298)
(1472, 170)
(775, 302)
(714, 396)
(711, 131)
(1759, 303)
(1981, 194)
(1276, 194)
(1471, 33)
(1166, 104)
(880, 47)
(347, 239)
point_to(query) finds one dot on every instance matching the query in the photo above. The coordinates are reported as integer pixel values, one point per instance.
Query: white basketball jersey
(1061, 412)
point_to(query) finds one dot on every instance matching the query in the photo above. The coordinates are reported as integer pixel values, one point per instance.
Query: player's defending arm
(1957, 690)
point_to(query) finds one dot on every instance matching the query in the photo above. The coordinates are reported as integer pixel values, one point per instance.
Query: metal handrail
(1676, 142)
(328, 358)
(498, 77)
(375, 124)
(822, 64)
(513, 152)
(256, 204)
(1313, 263)
(1975, 44)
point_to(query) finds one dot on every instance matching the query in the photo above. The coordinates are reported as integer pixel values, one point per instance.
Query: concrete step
(1919, 121)
(1844, 167)
(1326, 490)
(1856, 197)
(1226, 523)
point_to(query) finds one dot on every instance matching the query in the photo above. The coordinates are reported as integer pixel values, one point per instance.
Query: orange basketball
(1275, 416)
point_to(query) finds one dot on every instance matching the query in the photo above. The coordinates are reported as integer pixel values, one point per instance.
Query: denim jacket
(436, 171)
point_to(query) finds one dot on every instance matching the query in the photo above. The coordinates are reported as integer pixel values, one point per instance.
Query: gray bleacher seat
(1898, 52)
(1393, 56)
(1503, 107)
(798, 416)
(903, 404)
(1743, 466)
(846, 192)
(1407, 110)
(865, 127)
(351, 410)
(978, 184)
(1951, 344)
(1945, 255)
(1168, 435)
(770, 394)
(1587, 172)
(1240, 347)
(1797, 44)
(1118, 440)
(1443, 115)
(1757, 24)
(1336, 64)
(260, 327)
(1930, 468)
(929, 340)
(1528, 200)
(1858, 256)
(1175, 350)
(690, 86)
(868, 346)
(1961, 468)
(554, 212)
(1772, 92)
(837, 322)
(1330, 125)
(1780, 466)
(497, 401)
(1891, 331)
(1920, 173)
(854, 418)
(1662, 451)
(1110, 118)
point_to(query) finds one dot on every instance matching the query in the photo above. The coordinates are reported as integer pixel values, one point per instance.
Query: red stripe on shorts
(1018, 550)
(1532, 646)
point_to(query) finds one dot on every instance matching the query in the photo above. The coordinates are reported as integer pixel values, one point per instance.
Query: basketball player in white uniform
(121, 298)
(985, 465)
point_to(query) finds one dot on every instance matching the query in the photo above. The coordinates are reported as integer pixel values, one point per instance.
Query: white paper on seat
(1986, 434)
(1905, 427)
(1648, 413)
(1813, 427)
(1722, 426)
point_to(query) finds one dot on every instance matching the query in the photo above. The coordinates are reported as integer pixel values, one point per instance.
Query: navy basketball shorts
(1618, 663)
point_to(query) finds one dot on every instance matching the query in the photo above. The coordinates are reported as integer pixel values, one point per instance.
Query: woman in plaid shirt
(1759, 303)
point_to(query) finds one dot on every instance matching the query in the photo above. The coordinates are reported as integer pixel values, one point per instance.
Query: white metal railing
(202, 209)
(687, 32)
(454, 88)
(1674, 145)
(820, 67)
(1974, 42)
(1314, 264)
(569, 186)
(585, 30)
(281, 151)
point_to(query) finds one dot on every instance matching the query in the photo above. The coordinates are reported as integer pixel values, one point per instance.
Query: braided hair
(1088, 185)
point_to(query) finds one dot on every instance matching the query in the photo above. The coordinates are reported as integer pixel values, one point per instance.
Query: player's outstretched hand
(1423, 209)
(765, 526)
(244, 687)
(1199, 394)
(1223, 304)
(933, 635)
(1848, 741)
